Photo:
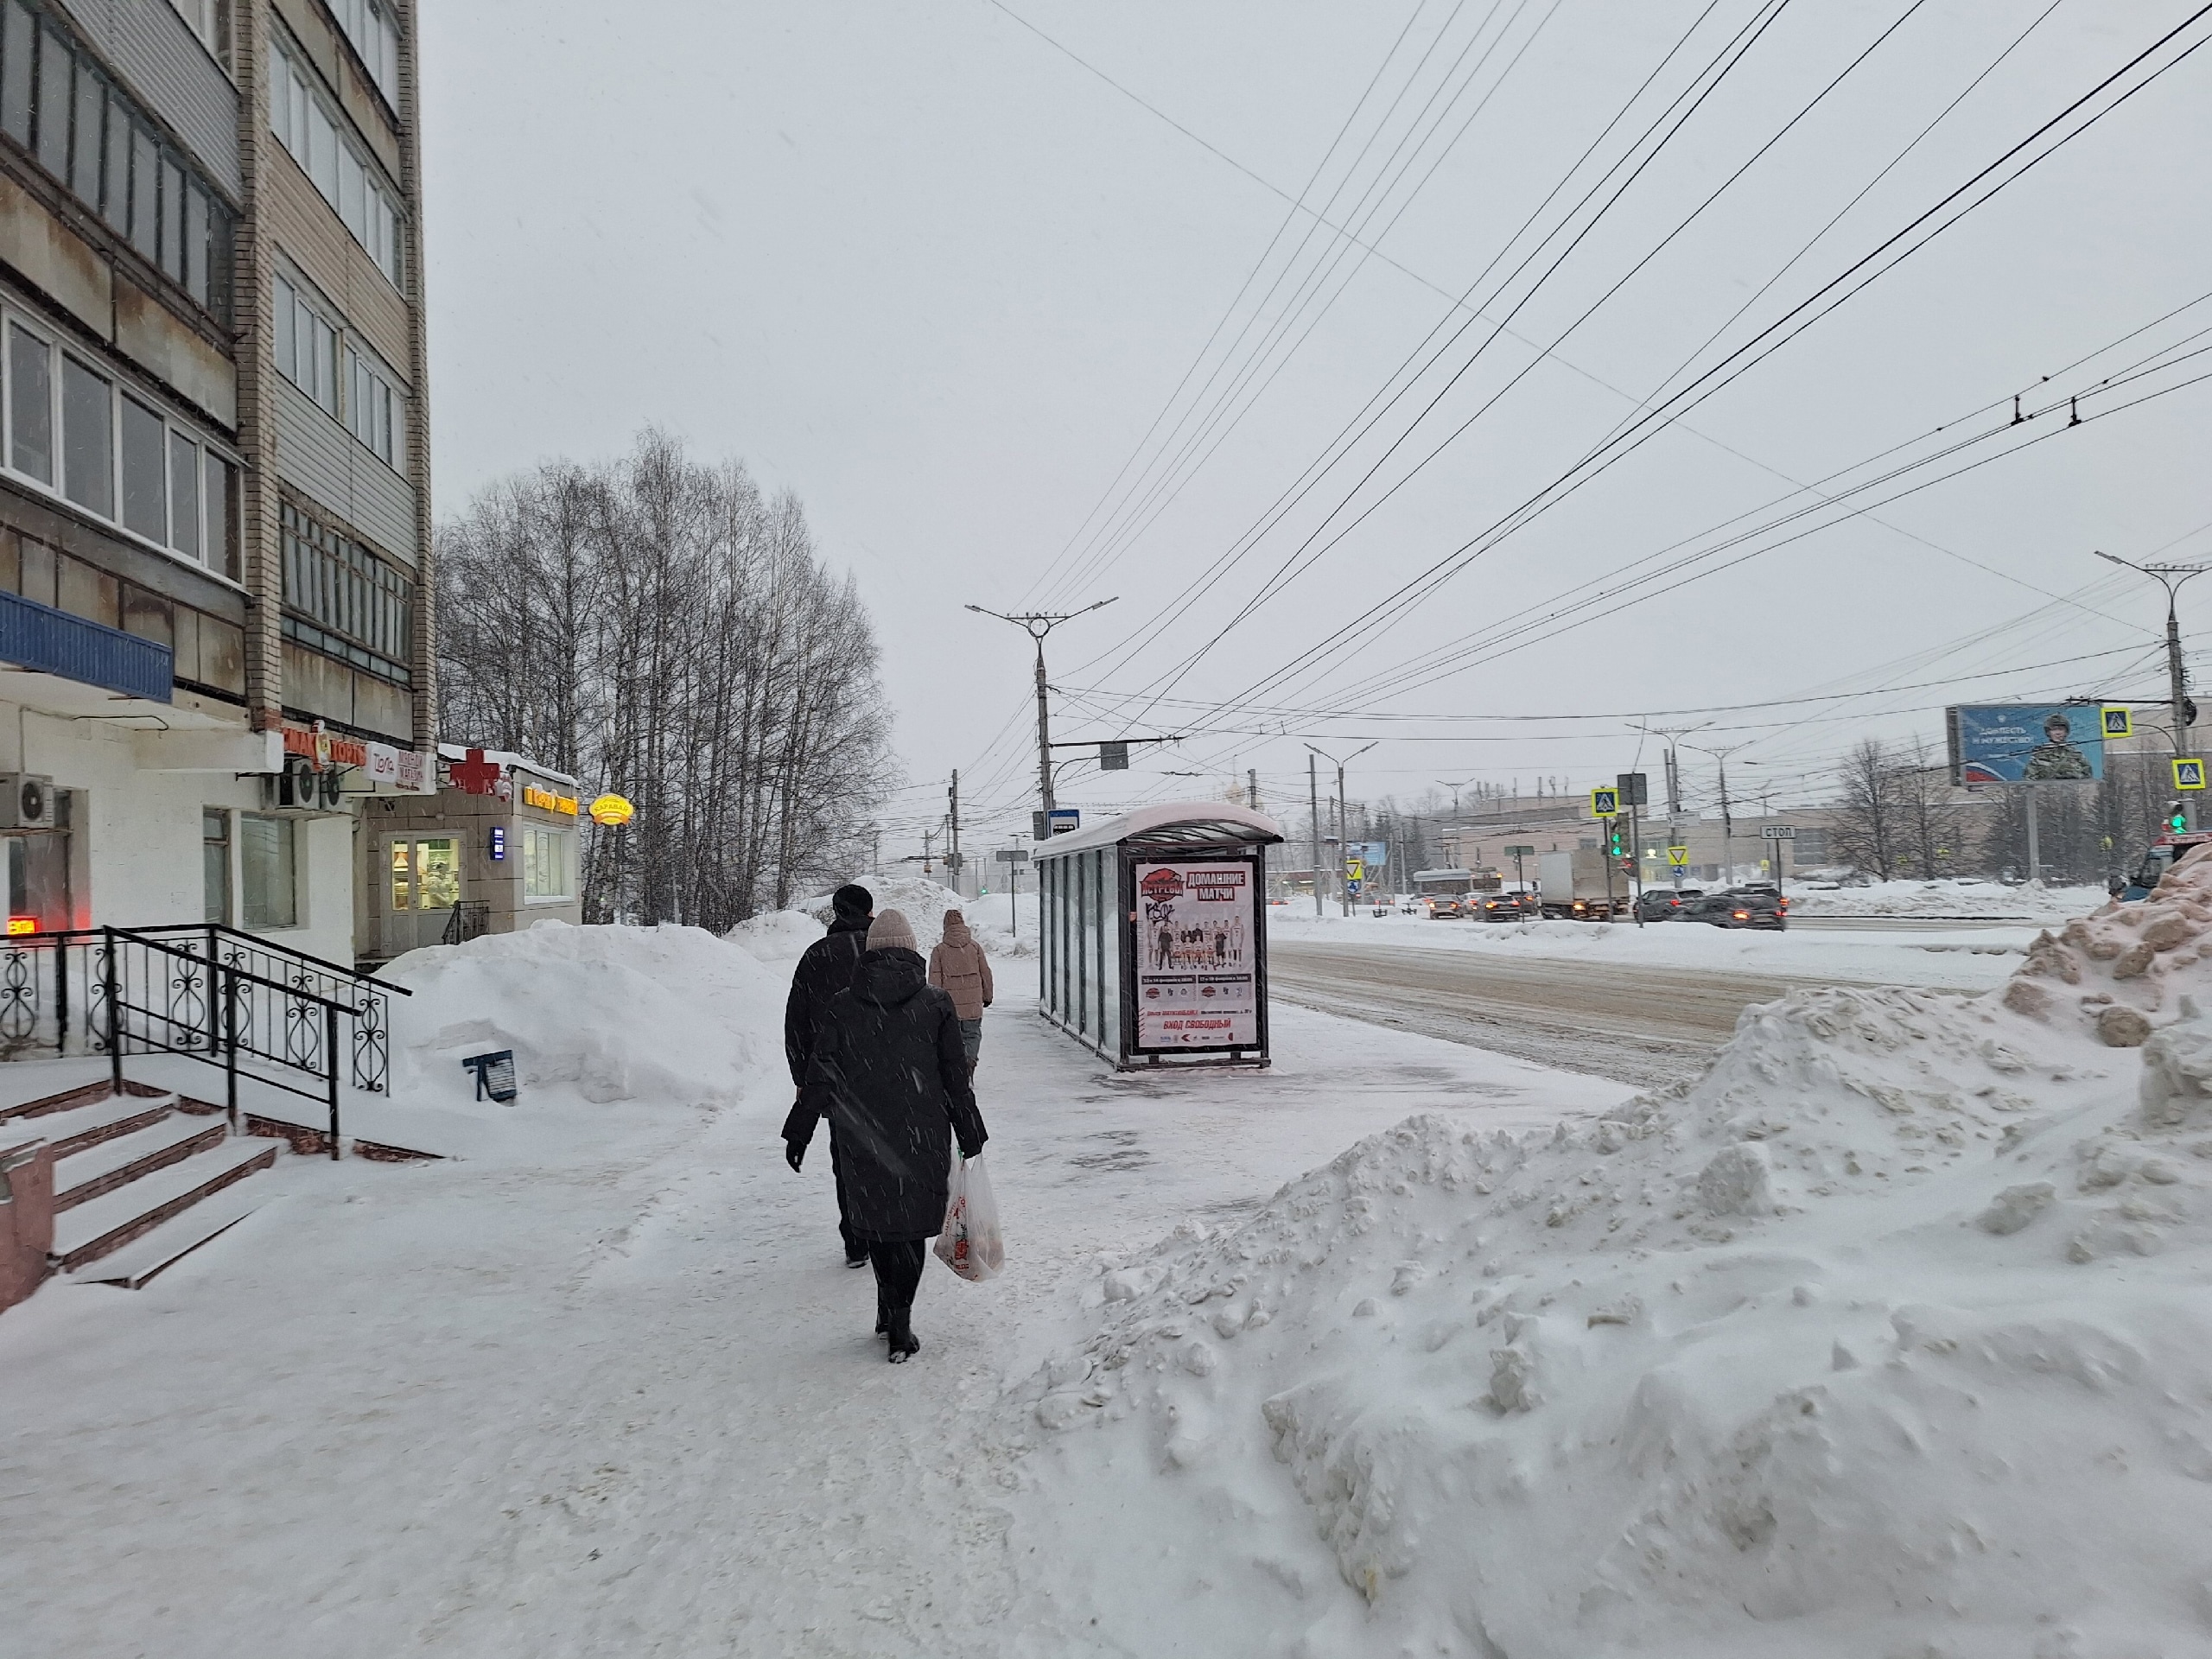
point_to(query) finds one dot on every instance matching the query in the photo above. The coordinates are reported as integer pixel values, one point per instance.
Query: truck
(1577, 885)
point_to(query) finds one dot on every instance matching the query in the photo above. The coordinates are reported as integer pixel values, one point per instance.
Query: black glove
(794, 1153)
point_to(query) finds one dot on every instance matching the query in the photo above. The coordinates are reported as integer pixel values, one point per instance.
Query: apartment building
(215, 494)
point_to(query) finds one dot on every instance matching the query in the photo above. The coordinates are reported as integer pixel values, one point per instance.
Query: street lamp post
(1727, 818)
(1343, 892)
(2170, 577)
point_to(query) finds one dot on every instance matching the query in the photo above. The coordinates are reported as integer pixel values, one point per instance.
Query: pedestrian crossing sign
(1605, 802)
(2119, 722)
(2189, 774)
(1678, 857)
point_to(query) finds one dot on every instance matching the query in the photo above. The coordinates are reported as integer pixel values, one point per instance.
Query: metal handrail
(260, 941)
(129, 972)
(246, 974)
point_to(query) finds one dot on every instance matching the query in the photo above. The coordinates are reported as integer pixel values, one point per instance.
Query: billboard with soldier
(2027, 743)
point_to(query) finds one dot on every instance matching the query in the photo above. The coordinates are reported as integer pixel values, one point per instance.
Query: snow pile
(1887, 1338)
(611, 1014)
(1973, 899)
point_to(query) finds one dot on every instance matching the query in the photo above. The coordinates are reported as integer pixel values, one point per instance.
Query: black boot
(904, 1345)
(882, 1316)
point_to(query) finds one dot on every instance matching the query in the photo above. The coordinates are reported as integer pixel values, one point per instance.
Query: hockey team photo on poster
(1196, 979)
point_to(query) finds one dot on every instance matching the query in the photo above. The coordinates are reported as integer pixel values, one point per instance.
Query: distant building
(214, 495)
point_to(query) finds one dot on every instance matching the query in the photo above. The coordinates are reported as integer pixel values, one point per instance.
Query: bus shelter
(1154, 937)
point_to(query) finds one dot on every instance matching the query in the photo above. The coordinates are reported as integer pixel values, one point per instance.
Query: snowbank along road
(1640, 1024)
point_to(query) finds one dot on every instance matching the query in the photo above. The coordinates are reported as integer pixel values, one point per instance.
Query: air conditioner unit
(296, 789)
(25, 801)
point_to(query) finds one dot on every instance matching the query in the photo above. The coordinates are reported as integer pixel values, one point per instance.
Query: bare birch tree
(658, 628)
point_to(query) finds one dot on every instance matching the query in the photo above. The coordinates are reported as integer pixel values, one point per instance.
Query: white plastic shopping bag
(970, 1244)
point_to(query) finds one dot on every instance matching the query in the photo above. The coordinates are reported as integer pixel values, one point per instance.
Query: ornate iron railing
(470, 918)
(236, 1001)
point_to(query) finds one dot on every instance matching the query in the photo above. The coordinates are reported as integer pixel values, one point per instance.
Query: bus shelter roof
(1172, 826)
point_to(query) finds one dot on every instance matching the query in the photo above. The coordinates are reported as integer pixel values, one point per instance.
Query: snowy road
(618, 1395)
(1637, 1024)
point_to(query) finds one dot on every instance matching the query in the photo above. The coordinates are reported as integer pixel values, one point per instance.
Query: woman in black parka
(889, 1072)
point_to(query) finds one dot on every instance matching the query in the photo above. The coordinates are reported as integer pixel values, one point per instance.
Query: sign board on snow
(2120, 720)
(1520, 852)
(1013, 855)
(1778, 832)
(1678, 857)
(1605, 803)
(2189, 774)
(1066, 820)
(495, 1074)
(1114, 756)
(1195, 985)
(1635, 789)
(2027, 743)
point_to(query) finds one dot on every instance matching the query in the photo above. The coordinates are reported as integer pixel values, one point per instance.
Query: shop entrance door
(422, 884)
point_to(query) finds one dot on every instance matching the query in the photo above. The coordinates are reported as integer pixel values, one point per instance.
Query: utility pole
(928, 835)
(2169, 578)
(1343, 892)
(1313, 805)
(953, 857)
(1674, 791)
(1037, 624)
(1727, 819)
(1252, 787)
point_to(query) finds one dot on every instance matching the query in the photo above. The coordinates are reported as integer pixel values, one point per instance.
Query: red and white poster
(1197, 985)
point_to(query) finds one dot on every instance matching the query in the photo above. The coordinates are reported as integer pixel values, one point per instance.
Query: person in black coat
(825, 970)
(889, 1072)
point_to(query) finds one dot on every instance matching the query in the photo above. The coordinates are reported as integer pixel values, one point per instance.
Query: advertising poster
(1196, 981)
(2028, 743)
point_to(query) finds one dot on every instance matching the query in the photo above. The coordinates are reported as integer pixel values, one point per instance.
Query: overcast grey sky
(940, 278)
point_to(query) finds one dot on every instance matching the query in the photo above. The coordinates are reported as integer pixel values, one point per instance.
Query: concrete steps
(108, 1165)
(146, 1172)
(104, 1225)
(131, 1265)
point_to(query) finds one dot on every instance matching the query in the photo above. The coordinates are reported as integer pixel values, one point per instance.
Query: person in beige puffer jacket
(959, 967)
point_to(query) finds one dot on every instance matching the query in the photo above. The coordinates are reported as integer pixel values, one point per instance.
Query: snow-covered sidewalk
(607, 1388)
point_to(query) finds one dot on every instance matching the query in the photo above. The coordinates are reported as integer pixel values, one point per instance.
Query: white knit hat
(890, 931)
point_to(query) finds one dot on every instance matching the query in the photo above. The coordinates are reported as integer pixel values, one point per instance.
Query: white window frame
(213, 535)
(369, 26)
(537, 841)
(243, 899)
(204, 18)
(375, 417)
(316, 134)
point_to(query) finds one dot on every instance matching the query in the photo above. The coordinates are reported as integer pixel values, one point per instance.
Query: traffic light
(2177, 820)
(1618, 842)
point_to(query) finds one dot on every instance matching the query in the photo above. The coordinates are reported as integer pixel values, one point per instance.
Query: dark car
(1665, 904)
(1760, 907)
(1446, 906)
(1506, 906)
